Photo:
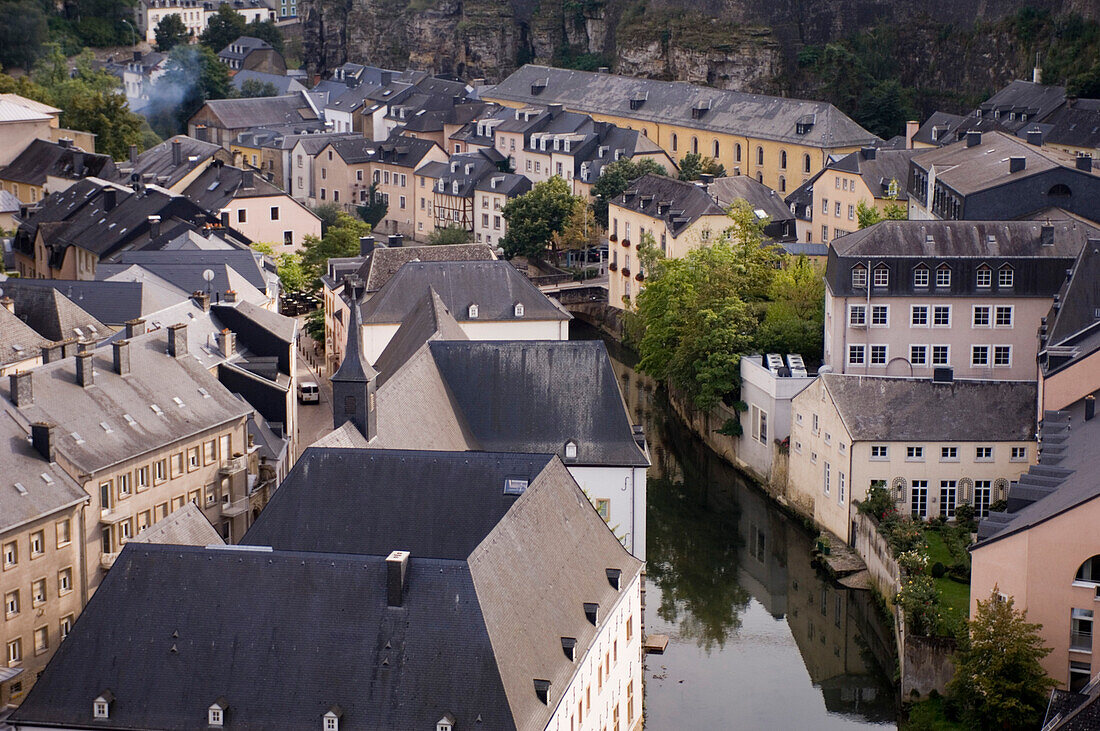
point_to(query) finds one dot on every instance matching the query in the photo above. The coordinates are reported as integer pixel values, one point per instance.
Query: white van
(309, 393)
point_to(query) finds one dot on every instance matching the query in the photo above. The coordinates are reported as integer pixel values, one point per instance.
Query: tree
(23, 31)
(170, 32)
(265, 30)
(613, 181)
(449, 235)
(225, 26)
(869, 215)
(315, 325)
(998, 681)
(193, 77)
(341, 239)
(696, 316)
(252, 88)
(794, 319)
(288, 266)
(693, 166)
(375, 209)
(580, 231)
(329, 213)
(534, 217)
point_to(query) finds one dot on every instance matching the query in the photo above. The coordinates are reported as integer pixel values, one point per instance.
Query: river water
(758, 638)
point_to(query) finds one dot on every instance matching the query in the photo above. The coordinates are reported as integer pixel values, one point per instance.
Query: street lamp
(133, 30)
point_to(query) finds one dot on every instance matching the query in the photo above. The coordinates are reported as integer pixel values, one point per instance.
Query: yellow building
(873, 177)
(780, 142)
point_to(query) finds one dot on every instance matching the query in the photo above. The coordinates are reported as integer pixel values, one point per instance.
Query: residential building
(20, 346)
(50, 167)
(274, 154)
(173, 164)
(9, 211)
(446, 190)
(252, 54)
(196, 14)
(491, 194)
(138, 72)
(934, 445)
(221, 120)
(52, 314)
(23, 120)
(491, 300)
(870, 176)
(750, 134)
(768, 385)
(903, 298)
(574, 658)
(41, 521)
(1072, 127)
(1069, 336)
(303, 154)
(678, 215)
(995, 176)
(110, 303)
(766, 204)
(1042, 550)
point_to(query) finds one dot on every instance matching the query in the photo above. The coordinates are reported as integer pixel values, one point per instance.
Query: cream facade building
(870, 176)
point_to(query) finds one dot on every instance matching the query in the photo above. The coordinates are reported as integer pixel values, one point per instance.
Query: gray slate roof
(383, 262)
(902, 409)
(1075, 124)
(112, 303)
(21, 463)
(289, 109)
(1021, 97)
(494, 286)
(672, 102)
(345, 436)
(156, 165)
(18, 340)
(186, 526)
(219, 185)
(755, 193)
(283, 84)
(43, 158)
(967, 239)
(429, 320)
(51, 313)
(879, 170)
(685, 201)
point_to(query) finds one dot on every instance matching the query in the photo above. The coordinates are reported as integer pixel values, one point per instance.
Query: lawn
(954, 596)
(929, 716)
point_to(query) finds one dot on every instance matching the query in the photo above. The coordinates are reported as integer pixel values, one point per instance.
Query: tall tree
(373, 211)
(170, 32)
(613, 181)
(341, 239)
(23, 31)
(869, 215)
(693, 165)
(794, 318)
(536, 216)
(225, 26)
(580, 230)
(998, 681)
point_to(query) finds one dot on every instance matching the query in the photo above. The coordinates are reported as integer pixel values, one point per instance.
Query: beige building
(491, 194)
(871, 176)
(24, 120)
(1069, 349)
(680, 216)
(903, 298)
(934, 445)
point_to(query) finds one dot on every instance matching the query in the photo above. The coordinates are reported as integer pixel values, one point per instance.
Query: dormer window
(472, 312)
(331, 720)
(943, 276)
(859, 276)
(614, 578)
(518, 309)
(920, 276)
(570, 450)
(454, 187)
(882, 276)
(984, 276)
(101, 706)
(542, 691)
(569, 648)
(592, 613)
(447, 723)
(1004, 276)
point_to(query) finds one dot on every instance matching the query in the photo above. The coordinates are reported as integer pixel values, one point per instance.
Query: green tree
(225, 26)
(315, 326)
(581, 229)
(449, 235)
(615, 178)
(252, 88)
(693, 165)
(869, 215)
(536, 216)
(292, 276)
(265, 30)
(794, 318)
(341, 239)
(193, 77)
(696, 316)
(170, 32)
(23, 31)
(998, 681)
(329, 213)
(374, 210)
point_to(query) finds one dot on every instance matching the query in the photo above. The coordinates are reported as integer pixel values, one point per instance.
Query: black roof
(42, 158)
(1074, 124)
(685, 202)
(112, 303)
(159, 164)
(339, 500)
(1021, 102)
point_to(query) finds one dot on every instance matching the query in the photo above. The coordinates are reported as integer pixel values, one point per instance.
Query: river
(758, 638)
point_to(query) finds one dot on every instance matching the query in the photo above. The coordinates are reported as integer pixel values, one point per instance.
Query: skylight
(129, 420)
(515, 487)
(47, 479)
(106, 427)
(20, 489)
(156, 409)
(77, 438)
(178, 400)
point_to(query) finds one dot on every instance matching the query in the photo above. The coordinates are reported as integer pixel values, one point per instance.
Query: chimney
(110, 198)
(973, 138)
(69, 347)
(65, 142)
(397, 566)
(1084, 162)
(133, 154)
(227, 339)
(9, 304)
(394, 240)
(911, 128)
(202, 299)
(1016, 164)
(1090, 407)
(1035, 137)
(1046, 235)
(554, 109)
(177, 340)
(230, 295)
(1037, 72)
(867, 153)
(706, 179)
(154, 226)
(51, 352)
(366, 245)
(248, 179)
(177, 153)
(42, 438)
(84, 367)
(122, 356)
(137, 56)
(135, 327)
(78, 163)
(22, 391)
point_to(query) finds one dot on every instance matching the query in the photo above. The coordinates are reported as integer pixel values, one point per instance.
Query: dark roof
(684, 202)
(496, 287)
(179, 267)
(289, 109)
(112, 303)
(283, 84)
(1026, 100)
(157, 164)
(42, 158)
(964, 239)
(397, 150)
(18, 341)
(1079, 300)
(509, 184)
(1073, 711)
(878, 168)
(21, 464)
(243, 46)
(1074, 124)
(938, 128)
(802, 198)
(339, 500)
(243, 317)
(383, 262)
(671, 102)
(429, 320)
(755, 193)
(904, 409)
(219, 184)
(354, 367)
(52, 313)
(466, 169)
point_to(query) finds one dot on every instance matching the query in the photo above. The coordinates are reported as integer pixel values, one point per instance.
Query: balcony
(107, 560)
(235, 508)
(1080, 641)
(230, 466)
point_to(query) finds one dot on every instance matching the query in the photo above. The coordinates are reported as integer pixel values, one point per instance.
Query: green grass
(929, 716)
(937, 549)
(954, 596)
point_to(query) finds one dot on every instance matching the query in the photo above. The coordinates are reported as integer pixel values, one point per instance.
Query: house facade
(870, 176)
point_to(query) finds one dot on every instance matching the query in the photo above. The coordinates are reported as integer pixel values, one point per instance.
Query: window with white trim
(981, 316)
(982, 494)
(840, 487)
(919, 499)
(1003, 316)
(1004, 277)
(941, 316)
(918, 355)
(983, 454)
(1002, 356)
(882, 276)
(920, 276)
(941, 354)
(880, 452)
(826, 477)
(1019, 454)
(979, 356)
(949, 454)
(943, 277)
(857, 315)
(984, 276)
(880, 315)
(914, 454)
(878, 355)
(918, 316)
(856, 355)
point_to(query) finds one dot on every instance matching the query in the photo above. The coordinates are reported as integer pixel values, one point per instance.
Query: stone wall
(925, 662)
(875, 551)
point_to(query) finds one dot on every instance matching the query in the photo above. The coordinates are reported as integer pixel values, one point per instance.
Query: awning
(7, 674)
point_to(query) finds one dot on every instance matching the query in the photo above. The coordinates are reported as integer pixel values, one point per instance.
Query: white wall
(260, 227)
(773, 396)
(625, 489)
(377, 337)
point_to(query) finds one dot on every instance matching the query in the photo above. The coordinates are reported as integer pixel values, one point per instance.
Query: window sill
(913, 459)
(878, 459)
(953, 460)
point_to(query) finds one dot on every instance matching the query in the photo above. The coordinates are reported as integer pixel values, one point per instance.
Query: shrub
(920, 602)
(912, 562)
(938, 570)
(878, 502)
(732, 428)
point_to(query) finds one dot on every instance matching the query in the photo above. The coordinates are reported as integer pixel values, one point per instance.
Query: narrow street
(314, 420)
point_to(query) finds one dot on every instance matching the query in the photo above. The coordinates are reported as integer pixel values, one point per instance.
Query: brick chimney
(22, 390)
(177, 153)
(177, 340)
(51, 352)
(202, 299)
(135, 327)
(84, 369)
(42, 438)
(122, 356)
(8, 304)
(397, 566)
(228, 341)
(911, 129)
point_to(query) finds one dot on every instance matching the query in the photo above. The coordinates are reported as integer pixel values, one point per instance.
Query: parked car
(309, 393)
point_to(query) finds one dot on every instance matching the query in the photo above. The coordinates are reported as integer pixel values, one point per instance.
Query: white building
(768, 385)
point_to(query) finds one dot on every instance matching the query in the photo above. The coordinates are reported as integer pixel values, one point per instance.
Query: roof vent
(614, 577)
(539, 85)
(542, 691)
(1084, 162)
(973, 138)
(569, 647)
(1016, 164)
(700, 108)
(397, 566)
(592, 613)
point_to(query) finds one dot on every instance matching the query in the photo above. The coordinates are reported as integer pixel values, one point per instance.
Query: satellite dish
(208, 275)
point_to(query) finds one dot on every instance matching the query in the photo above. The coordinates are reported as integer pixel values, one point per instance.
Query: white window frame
(949, 453)
(884, 280)
(997, 351)
(979, 356)
(946, 358)
(986, 274)
(883, 453)
(1018, 454)
(840, 491)
(919, 487)
(914, 453)
(1005, 281)
(826, 477)
(871, 360)
(919, 280)
(999, 310)
(937, 310)
(923, 350)
(857, 315)
(943, 276)
(923, 312)
(884, 310)
(854, 351)
(979, 457)
(981, 316)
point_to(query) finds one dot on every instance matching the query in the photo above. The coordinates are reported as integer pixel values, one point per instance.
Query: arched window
(675, 142)
(783, 159)
(1089, 573)
(695, 145)
(717, 149)
(782, 184)
(737, 152)
(759, 155)
(806, 163)
(1061, 190)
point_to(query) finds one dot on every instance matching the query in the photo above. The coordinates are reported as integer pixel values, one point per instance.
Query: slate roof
(878, 171)
(1080, 297)
(243, 316)
(964, 239)
(289, 109)
(1020, 97)
(354, 367)
(917, 410)
(42, 158)
(243, 261)
(429, 320)
(509, 184)
(514, 396)
(496, 287)
(155, 378)
(755, 193)
(1073, 711)
(686, 202)
(156, 165)
(938, 129)
(345, 436)
(219, 185)
(18, 340)
(671, 102)
(9, 203)
(246, 45)
(111, 303)
(21, 463)
(1074, 124)
(186, 526)
(52, 314)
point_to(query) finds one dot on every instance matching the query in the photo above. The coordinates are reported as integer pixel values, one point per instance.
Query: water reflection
(758, 636)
